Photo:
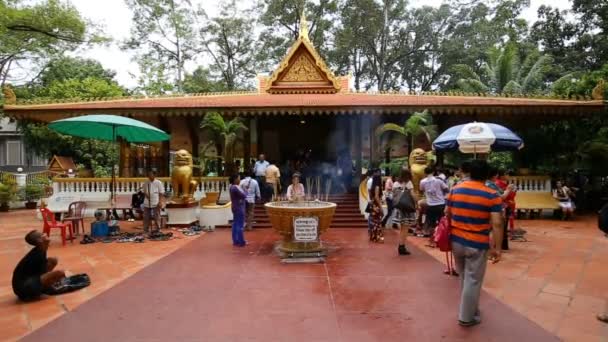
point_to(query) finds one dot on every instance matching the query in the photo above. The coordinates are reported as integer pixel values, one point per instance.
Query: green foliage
(581, 84)
(162, 35)
(225, 135)
(8, 192)
(228, 39)
(35, 32)
(502, 160)
(395, 165)
(502, 72)
(92, 154)
(201, 81)
(280, 20)
(34, 191)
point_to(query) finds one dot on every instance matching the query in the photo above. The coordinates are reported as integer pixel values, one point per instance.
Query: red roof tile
(340, 100)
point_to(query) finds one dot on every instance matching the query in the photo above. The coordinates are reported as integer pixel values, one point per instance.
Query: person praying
(35, 273)
(295, 191)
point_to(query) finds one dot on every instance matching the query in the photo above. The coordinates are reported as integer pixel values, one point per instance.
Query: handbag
(368, 209)
(405, 202)
(442, 235)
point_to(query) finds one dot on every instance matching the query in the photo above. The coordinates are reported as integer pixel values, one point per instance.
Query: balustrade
(130, 185)
(531, 183)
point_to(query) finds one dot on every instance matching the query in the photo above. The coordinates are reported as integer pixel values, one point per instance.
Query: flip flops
(86, 240)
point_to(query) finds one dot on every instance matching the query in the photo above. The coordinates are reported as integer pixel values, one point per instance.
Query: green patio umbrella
(109, 127)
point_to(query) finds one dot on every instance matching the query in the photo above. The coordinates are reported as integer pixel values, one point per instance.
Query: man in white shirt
(252, 189)
(434, 190)
(153, 192)
(259, 172)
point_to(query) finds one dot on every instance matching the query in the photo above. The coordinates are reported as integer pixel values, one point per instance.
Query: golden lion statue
(418, 161)
(181, 178)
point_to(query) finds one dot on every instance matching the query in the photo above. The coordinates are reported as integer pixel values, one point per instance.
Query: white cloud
(115, 16)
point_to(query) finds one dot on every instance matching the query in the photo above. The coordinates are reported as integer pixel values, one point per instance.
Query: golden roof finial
(303, 26)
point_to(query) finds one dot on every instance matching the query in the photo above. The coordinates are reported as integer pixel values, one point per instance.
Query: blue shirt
(251, 188)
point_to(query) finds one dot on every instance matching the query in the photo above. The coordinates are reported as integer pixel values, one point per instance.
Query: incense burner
(300, 225)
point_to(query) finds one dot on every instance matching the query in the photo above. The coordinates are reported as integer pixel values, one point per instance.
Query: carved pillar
(358, 151)
(124, 163)
(164, 149)
(194, 124)
(253, 136)
(247, 148)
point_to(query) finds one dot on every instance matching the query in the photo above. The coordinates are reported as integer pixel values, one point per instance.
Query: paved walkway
(558, 279)
(211, 291)
(107, 264)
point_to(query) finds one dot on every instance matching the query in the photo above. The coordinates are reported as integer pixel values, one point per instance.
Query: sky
(115, 17)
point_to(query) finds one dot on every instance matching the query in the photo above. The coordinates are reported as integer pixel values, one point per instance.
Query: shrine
(301, 106)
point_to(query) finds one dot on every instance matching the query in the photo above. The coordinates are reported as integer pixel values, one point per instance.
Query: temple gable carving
(302, 70)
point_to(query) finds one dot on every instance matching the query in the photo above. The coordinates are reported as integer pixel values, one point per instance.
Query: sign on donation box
(305, 229)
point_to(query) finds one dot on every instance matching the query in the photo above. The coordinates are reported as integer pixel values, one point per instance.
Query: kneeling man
(35, 272)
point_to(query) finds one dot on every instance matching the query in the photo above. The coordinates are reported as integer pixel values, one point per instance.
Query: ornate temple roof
(301, 104)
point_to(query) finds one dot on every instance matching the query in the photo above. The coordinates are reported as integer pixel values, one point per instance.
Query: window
(13, 152)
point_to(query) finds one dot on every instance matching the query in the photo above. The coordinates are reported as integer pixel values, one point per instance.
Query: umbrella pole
(112, 189)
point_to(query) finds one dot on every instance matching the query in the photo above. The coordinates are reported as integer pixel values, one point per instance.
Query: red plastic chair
(49, 222)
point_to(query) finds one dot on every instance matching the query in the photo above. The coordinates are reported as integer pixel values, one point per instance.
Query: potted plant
(33, 192)
(6, 195)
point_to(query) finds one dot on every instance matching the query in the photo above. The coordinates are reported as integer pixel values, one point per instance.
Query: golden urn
(300, 224)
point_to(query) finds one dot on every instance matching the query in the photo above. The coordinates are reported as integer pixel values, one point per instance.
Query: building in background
(13, 152)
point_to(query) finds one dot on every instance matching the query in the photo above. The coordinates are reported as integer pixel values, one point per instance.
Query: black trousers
(505, 231)
(389, 211)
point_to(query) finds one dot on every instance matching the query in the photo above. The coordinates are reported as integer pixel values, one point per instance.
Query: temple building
(301, 106)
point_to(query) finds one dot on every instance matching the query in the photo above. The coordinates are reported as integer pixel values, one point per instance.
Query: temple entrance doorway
(287, 138)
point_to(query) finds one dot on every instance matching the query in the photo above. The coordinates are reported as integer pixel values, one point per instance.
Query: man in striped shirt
(476, 230)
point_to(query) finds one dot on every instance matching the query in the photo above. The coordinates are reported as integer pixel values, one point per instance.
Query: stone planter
(300, 225)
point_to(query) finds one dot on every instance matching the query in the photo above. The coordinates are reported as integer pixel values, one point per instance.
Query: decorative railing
(531, 183)
(40, 177)
(129, 185)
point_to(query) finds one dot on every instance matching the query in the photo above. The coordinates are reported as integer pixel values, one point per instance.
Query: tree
(33, 33)
(201, 81)
(348, 53)
(228, 39)
(476, 26)
(593, 26)
(226, 133)
(422, 69)
(71, 78)
(280, 20)
(68, 77)
(502, 72)
(418, 124)
(162, 35)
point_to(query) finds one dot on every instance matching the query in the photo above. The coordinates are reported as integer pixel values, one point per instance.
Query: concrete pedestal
(182, 214)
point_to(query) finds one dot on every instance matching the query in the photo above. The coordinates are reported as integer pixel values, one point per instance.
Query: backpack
(69, 284)
(442, 235)
(602, 219)
(405, 202)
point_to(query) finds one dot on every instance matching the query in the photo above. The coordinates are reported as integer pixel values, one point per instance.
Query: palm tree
(419, 123)
(502, 72)
(225, 136)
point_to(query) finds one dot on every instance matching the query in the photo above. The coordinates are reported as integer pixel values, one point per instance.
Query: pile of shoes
(86, 240)
(130, 237)
(518, 234)
(157, 235)
(193, 230)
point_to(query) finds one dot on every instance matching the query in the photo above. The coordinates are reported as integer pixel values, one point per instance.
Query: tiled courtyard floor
(106, 264)
(556, 279)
